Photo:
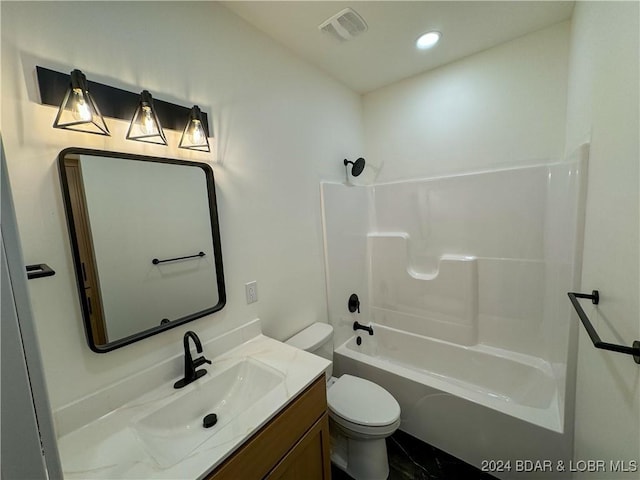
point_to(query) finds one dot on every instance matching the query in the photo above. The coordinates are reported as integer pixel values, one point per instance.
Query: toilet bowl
(361, 413)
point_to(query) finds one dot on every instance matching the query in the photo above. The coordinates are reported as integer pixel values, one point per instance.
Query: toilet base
(361, 459)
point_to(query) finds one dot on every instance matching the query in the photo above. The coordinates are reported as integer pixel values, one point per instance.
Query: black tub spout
(357, 326)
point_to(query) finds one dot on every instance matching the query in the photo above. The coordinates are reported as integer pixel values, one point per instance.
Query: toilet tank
(317, 339)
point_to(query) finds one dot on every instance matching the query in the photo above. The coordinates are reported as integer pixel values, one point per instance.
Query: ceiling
(386, 52)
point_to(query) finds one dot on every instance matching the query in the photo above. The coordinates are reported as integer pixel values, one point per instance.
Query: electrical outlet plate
(251, 291)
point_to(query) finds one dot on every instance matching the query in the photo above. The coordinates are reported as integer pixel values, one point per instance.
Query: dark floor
(412, 459)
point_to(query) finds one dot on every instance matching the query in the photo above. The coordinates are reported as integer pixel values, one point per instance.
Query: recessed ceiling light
(428, 40)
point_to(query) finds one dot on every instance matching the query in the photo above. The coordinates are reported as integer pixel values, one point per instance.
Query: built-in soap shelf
(412, 270)
(443, 302)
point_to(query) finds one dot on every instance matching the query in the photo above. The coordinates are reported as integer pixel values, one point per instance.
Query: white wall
(603, 106)
(503, 106)
(281, 126)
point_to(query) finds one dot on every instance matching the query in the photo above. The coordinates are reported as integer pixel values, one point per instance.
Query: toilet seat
(362, 406)
(354, 430)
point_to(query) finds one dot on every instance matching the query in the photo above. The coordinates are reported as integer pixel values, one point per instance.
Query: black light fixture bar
(114, 102)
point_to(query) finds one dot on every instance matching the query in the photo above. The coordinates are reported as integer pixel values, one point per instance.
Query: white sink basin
(173, 431)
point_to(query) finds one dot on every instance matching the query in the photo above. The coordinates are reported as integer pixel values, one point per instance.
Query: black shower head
(358, 166)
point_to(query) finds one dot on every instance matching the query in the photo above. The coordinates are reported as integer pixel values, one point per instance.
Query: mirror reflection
(146, 243)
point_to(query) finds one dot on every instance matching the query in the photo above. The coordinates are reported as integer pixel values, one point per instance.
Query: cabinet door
(263, 453)
(309, 459)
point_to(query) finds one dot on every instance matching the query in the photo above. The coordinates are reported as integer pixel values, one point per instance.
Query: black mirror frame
(215, 235)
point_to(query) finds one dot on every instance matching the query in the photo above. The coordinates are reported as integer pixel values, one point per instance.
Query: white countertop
(108, 447)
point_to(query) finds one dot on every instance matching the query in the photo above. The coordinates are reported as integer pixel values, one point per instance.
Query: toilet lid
(363, 402)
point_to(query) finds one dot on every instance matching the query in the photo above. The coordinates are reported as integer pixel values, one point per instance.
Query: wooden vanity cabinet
(292, 446)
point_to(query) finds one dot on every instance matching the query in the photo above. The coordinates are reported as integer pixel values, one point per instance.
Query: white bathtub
(476, 402)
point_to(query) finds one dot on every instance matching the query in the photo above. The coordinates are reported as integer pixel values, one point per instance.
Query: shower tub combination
(464, 282)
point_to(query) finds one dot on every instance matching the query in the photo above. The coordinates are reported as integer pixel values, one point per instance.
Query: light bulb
(197, 134)
(80, 109)
(194, 136)
(148, 125)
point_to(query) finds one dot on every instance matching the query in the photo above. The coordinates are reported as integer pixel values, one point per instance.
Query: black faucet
(190, 365)
(357, 326)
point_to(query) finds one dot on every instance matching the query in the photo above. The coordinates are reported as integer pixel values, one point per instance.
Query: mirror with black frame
(146, 243)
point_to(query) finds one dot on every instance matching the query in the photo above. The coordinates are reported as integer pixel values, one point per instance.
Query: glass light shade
(78, 110)
(194, 136)
(145, 126)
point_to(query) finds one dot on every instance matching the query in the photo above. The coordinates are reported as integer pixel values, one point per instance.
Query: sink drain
(209, 420)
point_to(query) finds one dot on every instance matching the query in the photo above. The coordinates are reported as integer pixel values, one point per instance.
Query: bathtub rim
(550, 418)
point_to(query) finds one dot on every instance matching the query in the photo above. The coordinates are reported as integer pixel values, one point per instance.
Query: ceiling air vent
(344, 25)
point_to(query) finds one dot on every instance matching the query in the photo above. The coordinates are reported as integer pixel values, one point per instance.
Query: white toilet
(361, 413)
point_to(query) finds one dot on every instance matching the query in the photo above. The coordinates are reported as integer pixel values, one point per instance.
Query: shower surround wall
(464, 278)
(466, 258)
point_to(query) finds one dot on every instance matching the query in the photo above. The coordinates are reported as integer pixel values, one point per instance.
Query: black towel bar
(595, 338)
(155, 261)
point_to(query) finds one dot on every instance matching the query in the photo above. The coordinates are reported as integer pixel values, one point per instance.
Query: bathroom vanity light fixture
(78, 110)
(59, 90)
(428, 40)
(145, 126)
(194, 136)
